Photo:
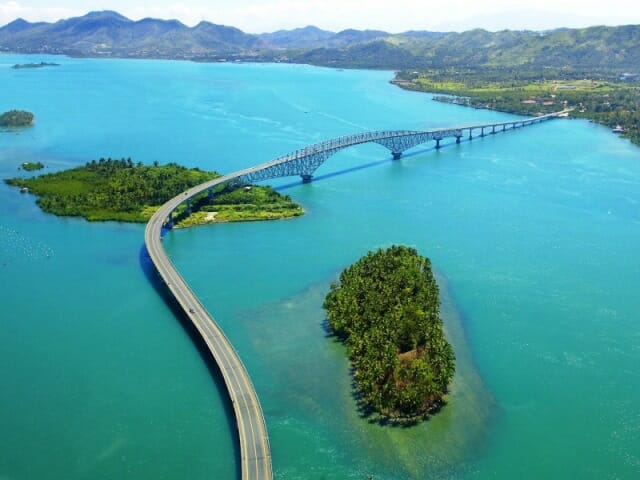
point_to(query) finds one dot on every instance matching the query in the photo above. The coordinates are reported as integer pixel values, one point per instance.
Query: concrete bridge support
(396, 155)
(255, 453)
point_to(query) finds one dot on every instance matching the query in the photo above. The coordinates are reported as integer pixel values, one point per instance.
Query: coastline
(464, 96)
(326, 415)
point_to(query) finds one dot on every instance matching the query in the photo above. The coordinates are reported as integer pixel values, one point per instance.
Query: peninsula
(386, 309)
(121, 190)
(610, 102)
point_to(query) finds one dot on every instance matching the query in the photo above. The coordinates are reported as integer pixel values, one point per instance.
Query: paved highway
(255, 452)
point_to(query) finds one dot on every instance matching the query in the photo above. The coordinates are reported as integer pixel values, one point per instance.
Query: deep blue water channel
(535, 235)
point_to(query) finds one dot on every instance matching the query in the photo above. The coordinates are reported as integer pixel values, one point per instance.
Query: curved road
(255, 452)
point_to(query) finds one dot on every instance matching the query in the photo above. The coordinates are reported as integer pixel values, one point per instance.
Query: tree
(385, 308)
(16, 118)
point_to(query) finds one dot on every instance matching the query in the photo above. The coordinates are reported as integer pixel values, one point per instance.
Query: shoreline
(467, 99)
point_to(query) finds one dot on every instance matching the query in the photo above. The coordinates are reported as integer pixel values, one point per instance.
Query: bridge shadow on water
(159, 286)
(365, 166)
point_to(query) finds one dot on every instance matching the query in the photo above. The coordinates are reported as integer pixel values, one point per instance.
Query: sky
(258, 16)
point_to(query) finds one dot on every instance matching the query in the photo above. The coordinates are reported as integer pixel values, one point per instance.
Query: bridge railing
(337, 143)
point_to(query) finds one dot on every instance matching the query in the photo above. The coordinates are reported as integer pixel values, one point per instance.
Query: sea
(534, 235)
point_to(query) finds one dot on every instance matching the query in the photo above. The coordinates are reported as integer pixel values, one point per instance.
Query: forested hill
(111, 34)
(588, 49)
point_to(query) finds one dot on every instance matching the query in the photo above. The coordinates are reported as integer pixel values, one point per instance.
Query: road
(255, 452)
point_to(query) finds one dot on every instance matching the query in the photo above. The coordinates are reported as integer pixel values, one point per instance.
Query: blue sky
(256, 16)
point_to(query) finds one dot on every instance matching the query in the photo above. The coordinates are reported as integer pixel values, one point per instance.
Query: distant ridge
(108, 33)
(306, 37)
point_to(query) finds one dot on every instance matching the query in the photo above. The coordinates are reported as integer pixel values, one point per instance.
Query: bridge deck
(255, 452)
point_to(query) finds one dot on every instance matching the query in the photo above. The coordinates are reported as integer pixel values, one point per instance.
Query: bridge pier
(396, 155)
(306, 178)
(189, 207)
(504, 127)
(471, 134)
(458, 138)
(210, 195)
(493, 129)
(437, 144)
(482, 131)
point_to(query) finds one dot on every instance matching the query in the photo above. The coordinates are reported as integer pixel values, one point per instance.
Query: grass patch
(121, 190)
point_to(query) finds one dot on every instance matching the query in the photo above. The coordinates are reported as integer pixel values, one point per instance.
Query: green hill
(599, 49)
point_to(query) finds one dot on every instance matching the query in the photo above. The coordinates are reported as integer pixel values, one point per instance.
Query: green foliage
(32, 166)
(594, 50)
(125, 191)
(525, 92)
(110, 189)
(16, 118)
(386, 309)
(240, 204)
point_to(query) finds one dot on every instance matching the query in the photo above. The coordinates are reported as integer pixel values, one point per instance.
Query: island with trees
(32, 166)
(121, 190)
(16, 118)
(386, 309)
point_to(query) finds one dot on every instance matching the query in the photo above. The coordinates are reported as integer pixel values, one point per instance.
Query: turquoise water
(535, 235)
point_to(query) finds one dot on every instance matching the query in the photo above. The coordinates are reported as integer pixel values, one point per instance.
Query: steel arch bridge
(305, 161)
(255, 451)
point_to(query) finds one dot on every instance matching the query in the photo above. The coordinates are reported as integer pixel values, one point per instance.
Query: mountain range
(108, 33)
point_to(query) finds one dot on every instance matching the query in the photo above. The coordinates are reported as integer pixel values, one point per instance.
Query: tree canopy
(386, 309)
(16, 118)
(122, 190)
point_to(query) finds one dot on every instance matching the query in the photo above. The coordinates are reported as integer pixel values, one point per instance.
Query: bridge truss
(305, 161)
(255, 452)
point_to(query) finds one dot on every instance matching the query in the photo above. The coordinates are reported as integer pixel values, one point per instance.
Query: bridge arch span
(255, 452)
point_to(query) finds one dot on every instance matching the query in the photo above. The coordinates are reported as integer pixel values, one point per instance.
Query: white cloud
(9, 11)
(256, 16)
(187, 14)
(397, 15)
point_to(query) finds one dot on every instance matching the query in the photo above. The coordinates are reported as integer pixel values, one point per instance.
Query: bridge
(255, 452)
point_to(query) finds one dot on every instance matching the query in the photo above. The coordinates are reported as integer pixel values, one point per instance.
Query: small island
(19, 66)
(32, 166)
(121, 190)
(386, 310)
(16, 118)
